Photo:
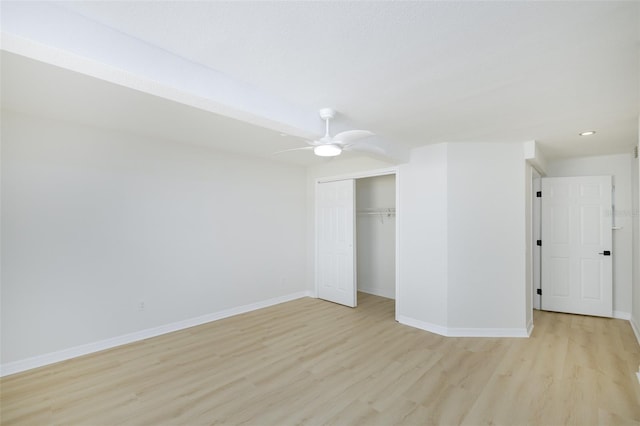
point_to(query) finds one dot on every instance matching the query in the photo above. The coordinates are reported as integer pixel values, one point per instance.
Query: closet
(376, 235)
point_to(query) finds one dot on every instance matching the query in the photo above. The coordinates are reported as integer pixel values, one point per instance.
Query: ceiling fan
(331, 146)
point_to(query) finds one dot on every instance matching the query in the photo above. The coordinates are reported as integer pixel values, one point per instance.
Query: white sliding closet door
(335, 236)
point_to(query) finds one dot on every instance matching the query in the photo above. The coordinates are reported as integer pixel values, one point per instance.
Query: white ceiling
(33, 87)
(415, 73)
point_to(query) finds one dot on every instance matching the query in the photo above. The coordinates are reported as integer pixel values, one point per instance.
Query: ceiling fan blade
(345, 138)
(325, 140)
(365, 148)
(292, 149)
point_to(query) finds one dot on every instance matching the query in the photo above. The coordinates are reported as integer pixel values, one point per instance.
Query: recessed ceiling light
(588, 133)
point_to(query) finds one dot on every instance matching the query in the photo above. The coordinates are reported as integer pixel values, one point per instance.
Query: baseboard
(635, 328)
(488, 332)
(65, 354)
(530, 328)
(379, 292)
(422, 325)
(465, 332)
(622, 315)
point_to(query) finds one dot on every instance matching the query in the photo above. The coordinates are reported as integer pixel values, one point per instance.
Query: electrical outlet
(141, 306)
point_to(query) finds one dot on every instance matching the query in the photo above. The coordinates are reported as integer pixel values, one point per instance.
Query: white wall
(376, 236)
(635, 317)
(422, 239)
(486, 245)
(462, 239)
(95, 222)
(618, 166)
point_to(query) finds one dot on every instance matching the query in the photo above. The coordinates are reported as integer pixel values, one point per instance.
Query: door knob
(605, 253)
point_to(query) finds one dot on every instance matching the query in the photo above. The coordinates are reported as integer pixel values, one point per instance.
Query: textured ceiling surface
(418, 73)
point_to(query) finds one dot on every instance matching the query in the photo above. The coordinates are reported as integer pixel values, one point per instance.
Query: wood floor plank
(312, 362)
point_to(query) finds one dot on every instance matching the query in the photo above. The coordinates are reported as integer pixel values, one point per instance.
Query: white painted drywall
(94, 222)
(376, 235)
(486, 236)
(534, 156)
(618, 166)
(462, 240)
(635, 309)
(422, 237)
(172, 76)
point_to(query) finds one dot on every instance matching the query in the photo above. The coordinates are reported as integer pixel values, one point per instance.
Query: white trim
(465, 332)
(530, 328)
(423, 325)
(536, 185)
(488, 332)
(65, 354)
(397, 244)
(360, 175)
(635, 328)
(377, 291)
(622, 315)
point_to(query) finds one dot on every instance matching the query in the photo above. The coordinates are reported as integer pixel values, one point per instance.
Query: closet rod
(378, 210)
(391, 211)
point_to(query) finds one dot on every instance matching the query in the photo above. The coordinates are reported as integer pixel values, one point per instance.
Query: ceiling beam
(49, 33)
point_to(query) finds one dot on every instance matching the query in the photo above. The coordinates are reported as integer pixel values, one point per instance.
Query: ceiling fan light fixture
(328, 150)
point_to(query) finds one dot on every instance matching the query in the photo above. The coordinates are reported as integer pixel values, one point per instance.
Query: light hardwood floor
(314, 362)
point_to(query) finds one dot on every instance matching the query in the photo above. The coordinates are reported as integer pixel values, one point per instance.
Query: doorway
(376, 236)
(536, 181)
(368, 230)
(576, 254)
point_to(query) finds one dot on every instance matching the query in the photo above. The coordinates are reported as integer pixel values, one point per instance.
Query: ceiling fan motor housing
(327, 113)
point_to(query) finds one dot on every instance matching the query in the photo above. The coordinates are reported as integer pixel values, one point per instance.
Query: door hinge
(539, 242)
(539, 291)
(539, 194)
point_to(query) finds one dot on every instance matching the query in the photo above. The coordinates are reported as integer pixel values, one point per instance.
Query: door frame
(583, 310)
(536, 234)
(358, 175)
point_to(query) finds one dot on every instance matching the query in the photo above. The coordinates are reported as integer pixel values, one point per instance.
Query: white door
(576, 245)
(335, 236)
